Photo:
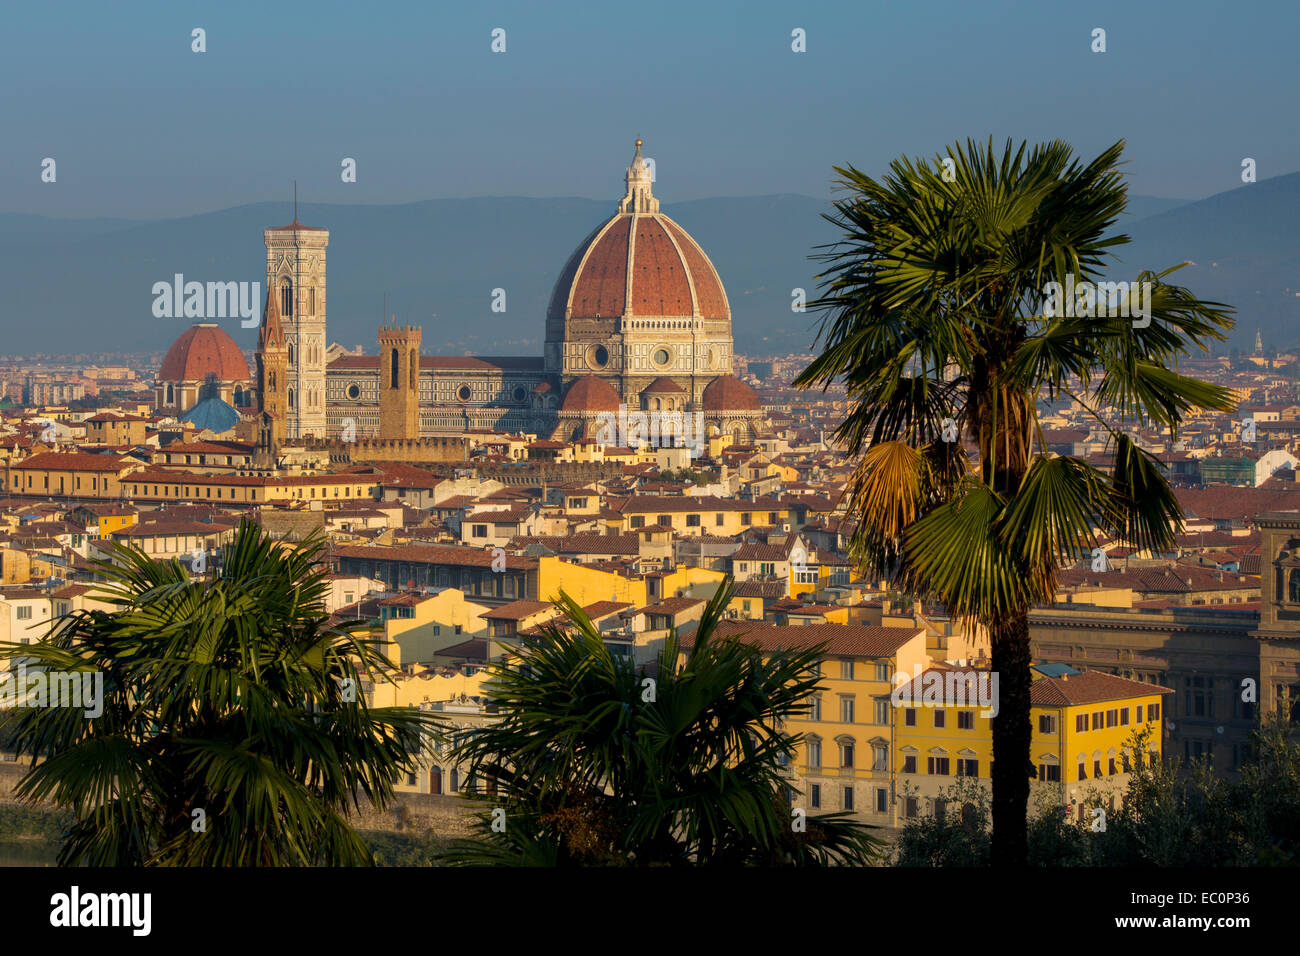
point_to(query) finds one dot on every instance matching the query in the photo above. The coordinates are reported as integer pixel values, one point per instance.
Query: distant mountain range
(85, 285)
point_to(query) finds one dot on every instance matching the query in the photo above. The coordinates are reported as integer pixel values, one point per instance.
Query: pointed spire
(271, 335)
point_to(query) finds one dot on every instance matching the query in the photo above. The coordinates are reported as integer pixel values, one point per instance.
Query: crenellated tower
(399, 381)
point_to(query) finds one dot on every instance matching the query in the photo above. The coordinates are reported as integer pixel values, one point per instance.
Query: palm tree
(596, 763)
(233, 731)
(936, 322)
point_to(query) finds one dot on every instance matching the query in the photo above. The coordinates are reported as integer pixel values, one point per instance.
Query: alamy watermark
(1094, 299)
(947, 688)
(673, 429)
(42, 688)
(213, 300)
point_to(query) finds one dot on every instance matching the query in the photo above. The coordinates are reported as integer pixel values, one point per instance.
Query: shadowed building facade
(1223, 663)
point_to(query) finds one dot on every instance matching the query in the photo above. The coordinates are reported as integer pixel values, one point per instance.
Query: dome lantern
(639, 198)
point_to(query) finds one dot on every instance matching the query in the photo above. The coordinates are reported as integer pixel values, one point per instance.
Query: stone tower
(272, 380)
(399, 381)
(295, 270)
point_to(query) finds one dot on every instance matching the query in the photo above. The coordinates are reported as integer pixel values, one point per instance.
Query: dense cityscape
(419, 484)
(411, 474)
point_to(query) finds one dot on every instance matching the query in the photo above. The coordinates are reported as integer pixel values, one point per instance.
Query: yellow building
(101, 520)
(69, 475)
(110, 428)
(417, 626)
(166, 484)
(844, 760)
(586, 584)
(697, 514)
(1083, 729)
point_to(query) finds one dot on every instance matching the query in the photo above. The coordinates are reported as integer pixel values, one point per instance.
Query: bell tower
(399, 381)
(295, 270)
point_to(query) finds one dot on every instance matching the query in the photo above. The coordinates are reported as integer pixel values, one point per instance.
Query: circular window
(661, 356)
(354, 391)
(519, 393)
(597, 356)
(463, 393)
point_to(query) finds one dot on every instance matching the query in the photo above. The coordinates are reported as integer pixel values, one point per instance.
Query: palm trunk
(1011, 735)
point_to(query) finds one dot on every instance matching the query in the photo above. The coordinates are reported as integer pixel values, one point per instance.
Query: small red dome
(663, 385)
(591, 394)
(204, 350)
(729, 394)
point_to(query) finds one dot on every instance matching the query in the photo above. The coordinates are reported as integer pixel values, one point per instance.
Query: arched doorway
(435, 780)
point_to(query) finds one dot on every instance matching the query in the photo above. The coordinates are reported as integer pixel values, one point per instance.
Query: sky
(140, 126)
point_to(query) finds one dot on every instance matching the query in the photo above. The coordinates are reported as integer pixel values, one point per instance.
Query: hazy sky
(140, 126)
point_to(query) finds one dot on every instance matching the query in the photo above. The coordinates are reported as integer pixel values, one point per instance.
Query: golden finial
(638, 144)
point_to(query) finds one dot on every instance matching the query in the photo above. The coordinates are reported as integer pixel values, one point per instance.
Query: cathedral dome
(591, 394)
(670, 274)
(203, 350)
(729, 394)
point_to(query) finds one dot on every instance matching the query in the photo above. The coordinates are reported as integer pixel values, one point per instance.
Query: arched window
(393, 370)
(171, 394)
(311, 301)
(1293, 591)
(291, 398)
(286, 297)
(290, 353)
(271, 382)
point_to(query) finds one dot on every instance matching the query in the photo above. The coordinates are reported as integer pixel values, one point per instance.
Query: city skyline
(659, 438)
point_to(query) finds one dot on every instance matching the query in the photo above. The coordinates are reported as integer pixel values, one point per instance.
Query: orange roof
(728, 393)
(1089, 687)
(203, 350)
(591, 394)
(847, 640)
(671, 275)
(296, 225)
(73, 461)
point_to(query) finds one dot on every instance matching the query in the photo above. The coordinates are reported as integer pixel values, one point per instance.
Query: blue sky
(142, 127)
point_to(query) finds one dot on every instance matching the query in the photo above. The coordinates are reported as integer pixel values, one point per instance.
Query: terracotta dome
(591, 394)
(663, 386)
(203, 350)
(670, 274)
(729, 394)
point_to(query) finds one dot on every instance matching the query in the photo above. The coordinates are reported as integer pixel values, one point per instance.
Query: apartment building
(1084, 744)
(843, 761)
